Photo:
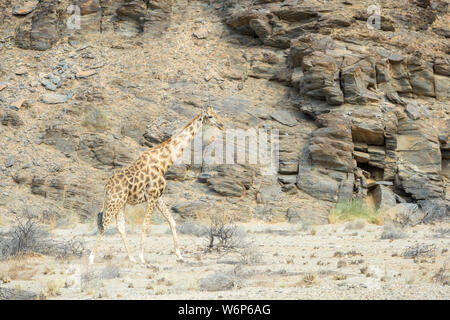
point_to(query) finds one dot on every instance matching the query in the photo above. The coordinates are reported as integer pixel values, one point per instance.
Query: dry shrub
(25, 237)
(224, 234)
(28, 237)
(391, 232)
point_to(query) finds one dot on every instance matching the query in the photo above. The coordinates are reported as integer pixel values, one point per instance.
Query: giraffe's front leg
(166, 213)
(145, 225)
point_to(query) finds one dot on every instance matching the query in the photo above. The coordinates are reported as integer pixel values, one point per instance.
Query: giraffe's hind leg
(148, 216)
(166, 213)
(120, 220)
(102, 223)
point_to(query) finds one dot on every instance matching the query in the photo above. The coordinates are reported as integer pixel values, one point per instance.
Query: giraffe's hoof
(141, 258)
(91, 259)
(178, 254)
(132, 259)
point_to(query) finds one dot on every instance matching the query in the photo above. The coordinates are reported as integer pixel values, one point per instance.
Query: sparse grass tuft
(308, 280)
(250, 255)
(391, 232)
(192, 285)
(160, 290)
(97, 119)
(443, 275)
(54, 287)
(355, 209)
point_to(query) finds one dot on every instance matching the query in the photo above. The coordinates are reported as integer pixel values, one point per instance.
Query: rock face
(327, 169)
(373, 140)
(101, 151)
(48, 20)
(229, 180)
(360, 112)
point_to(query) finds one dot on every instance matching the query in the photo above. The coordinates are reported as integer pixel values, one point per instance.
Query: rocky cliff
(360, 101)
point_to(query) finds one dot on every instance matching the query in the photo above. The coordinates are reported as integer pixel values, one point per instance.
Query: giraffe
(143, 181)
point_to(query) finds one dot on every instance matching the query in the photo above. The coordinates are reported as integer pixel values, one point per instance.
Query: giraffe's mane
(165, 142)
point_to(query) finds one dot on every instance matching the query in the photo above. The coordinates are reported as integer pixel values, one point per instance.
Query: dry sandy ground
(338, 261)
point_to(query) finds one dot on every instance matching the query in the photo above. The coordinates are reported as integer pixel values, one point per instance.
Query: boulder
(271, 193)
(383, 197)
(40, 31)
(61, 137)
(191, 210)
(442, 66)
(217, 282)
(367, 126)
(261, 27)
(309, 214)
(405, 214)
(177, 172)
(55, 98)
(102, 151)
(355, 87)
(318, 184)
(442, 87)
(25, 8)
(307, 44)
(421, 77)
(331, 146)
(435, 210)
(321, 78)
(226, 186)
(285, 117)
(419, 159)
(11, 118)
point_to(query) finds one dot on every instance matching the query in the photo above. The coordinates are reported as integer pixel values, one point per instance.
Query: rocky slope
(361, 112)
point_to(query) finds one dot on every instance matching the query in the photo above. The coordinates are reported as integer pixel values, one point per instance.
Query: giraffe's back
(134, 186)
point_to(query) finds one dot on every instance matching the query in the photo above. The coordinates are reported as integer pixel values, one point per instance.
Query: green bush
(355, 209)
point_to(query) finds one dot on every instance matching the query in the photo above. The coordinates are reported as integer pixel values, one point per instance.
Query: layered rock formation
(362, 94)
(361, 112)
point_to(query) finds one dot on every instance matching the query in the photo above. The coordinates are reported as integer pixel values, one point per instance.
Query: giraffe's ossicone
(143, 181)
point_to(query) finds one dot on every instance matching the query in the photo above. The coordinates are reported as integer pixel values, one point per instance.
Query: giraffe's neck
(179, 141)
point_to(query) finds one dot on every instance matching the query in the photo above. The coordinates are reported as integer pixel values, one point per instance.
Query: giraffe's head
(211, 118)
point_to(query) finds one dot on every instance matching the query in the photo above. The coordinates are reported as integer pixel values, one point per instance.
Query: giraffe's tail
(101, 229)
